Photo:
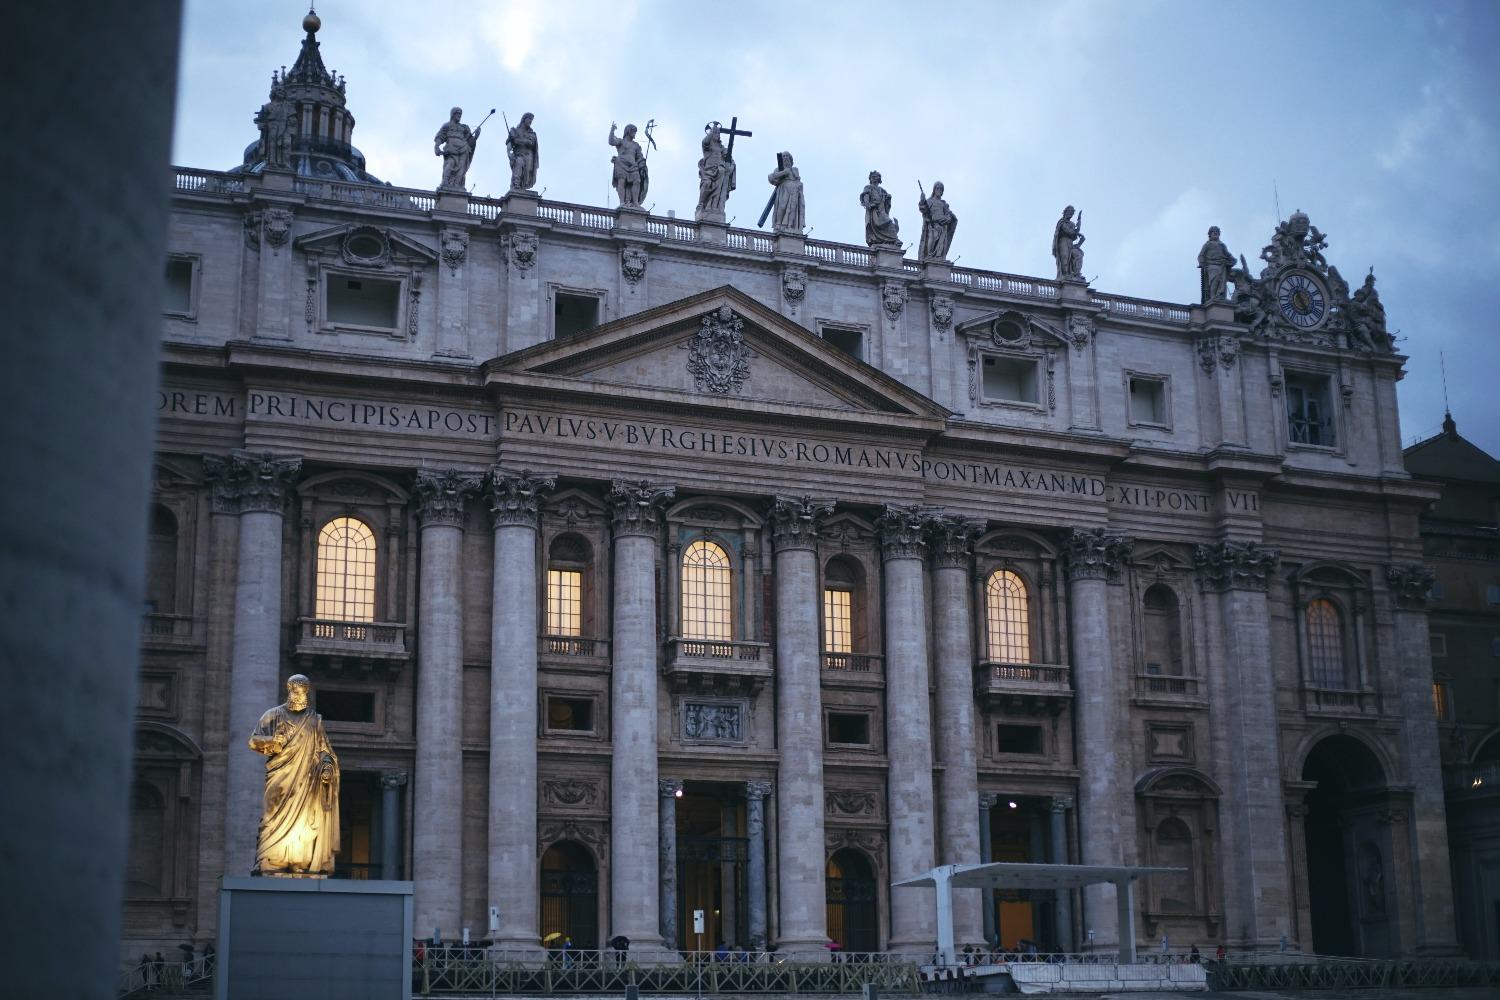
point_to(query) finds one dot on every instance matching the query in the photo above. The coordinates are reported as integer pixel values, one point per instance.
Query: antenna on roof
(1443, 367)
(1277, 195)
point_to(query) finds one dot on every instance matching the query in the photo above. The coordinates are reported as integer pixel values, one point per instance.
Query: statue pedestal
(333, 938)
(275, 179)
(937, 270)
(791, 243)
(889, 259)
(452, 202)
(713, 231)
(521, 203)
(1074, 291)
(630, 218)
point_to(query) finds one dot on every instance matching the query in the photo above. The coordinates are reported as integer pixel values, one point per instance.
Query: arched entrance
(1349, 858)
(853, 920)
(570, 895)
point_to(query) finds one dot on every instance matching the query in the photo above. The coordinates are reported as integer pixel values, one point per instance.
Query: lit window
(1308, 413)
(838, 621)
(1008, 619)
(706, 593)
(346, 571)
(1325, 644)
(1442, 702)
(564, 602)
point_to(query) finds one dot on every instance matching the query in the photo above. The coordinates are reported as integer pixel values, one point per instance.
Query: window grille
(838, 622)
(1325, 644)
(1008, 618)
(706, 593)
(346, 571)
(564, 602)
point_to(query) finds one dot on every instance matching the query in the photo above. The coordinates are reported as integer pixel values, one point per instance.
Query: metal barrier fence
(456, 970)
(139, 980)
(1317, 972)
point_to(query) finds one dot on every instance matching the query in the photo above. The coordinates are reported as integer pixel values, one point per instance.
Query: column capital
(668, 788)
(756, 791)
(1061, 803)
(1236, 565)
(1095, 554)
(515, 496)
(250, 481)
(635, 507)
(1409, 585)
(441, 495)
(952, 539)
(987, 800)
(903, 532)
(795, 521)
(394, 779)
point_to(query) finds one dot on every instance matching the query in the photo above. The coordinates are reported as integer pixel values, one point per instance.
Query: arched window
(1174, 849)
(346, 571)
(843, 607)
(1325, 644)
(567, 559)
(1162, 628)
(161, 564)
(707, 593)
(1007, 615)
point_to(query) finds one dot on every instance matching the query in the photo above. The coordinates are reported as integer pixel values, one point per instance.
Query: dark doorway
(359, 827)
(570, 896)
(853, 919)
(713, 855)
(1018, 834)
(1347, 860)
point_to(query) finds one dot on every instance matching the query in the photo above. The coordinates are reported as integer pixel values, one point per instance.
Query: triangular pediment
(723, 346)
(366, 246)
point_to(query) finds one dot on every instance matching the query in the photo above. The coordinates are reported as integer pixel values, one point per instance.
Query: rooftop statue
(1067, 246)
(790, 211)
(880, 229)
(1367, 318)
(1296, 241)
(299, 827)
(520, 145)
(455, 143)
(716, 176)
(631, 178)
(938, 224)
(277, 121)
(1214, 262)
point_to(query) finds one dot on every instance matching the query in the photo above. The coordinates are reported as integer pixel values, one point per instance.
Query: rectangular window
(1442, 701)
(570, 715)
(346, 706)
(1018, 739)
(179, 296)
(1439, 643)
(837, 622)
(373, 303)
(1148, 400)
(1492, 594)
(564, 602)
(573, 313)
(851, 342)
(1436, 591)
(1010, 379)
(849, 728)
(1309, 414)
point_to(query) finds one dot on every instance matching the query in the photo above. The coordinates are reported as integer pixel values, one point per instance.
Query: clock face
(1302, 300)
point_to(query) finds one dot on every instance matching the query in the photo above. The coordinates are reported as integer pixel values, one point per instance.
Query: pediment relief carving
(1013, 330)
(374, 247)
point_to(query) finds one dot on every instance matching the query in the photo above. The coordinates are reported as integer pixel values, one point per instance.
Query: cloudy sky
(1380, 120)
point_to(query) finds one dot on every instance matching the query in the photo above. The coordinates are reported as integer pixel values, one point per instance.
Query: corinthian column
(908, 727)
(668, 791)
(953, 646)
(437, 787)
(1431, 883)
(1093, 557)
(755, 875)
(800, 868)
(257, 485)
(635, 510)
(513, 708)
(1256, 881)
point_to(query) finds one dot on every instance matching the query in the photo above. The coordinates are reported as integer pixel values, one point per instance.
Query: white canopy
(1009, 875)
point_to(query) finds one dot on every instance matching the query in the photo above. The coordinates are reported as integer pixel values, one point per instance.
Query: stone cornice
(635, 507)
(903, 532)
(952, 540)
(1409, 585)
(441, 495)
(1236, 565)
(795, 521)
(515, 496)
(250, 481)
(1095, 554)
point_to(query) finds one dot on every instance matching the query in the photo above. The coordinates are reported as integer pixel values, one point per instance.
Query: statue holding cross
(716, 170)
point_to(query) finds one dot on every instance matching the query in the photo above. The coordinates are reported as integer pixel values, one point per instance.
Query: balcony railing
(859, 663)
(338, 644)
(1335, 701)
(1166, 686)
(1031, 688)
(704, 664)
(160, 626)
(575, 646)
(1473, 779)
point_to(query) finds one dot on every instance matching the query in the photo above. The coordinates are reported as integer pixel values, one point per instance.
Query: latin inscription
(322, 410)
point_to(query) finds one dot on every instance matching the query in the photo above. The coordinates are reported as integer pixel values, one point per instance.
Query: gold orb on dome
(311, 23)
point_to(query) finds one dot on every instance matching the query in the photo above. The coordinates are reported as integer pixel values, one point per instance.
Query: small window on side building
(851, 342)
(570, 715)
(1148, 400)
(849, 728)
(572, 314)
(1309, 412)
(346, 706)
(179, 294)
(1018, 739)
(1011, 380)
(372, 303)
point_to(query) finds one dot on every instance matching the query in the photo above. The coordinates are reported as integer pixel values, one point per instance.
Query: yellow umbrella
(552, 937)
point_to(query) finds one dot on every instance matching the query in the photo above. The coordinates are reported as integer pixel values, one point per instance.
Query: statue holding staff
(299, 826)
(938, 224)
(455, 143)
(521, 147)
(786, 200)
(1067, 246)
(631, 178)
(716, 175)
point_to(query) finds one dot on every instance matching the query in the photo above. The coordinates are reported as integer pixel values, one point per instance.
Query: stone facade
(500, 389)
